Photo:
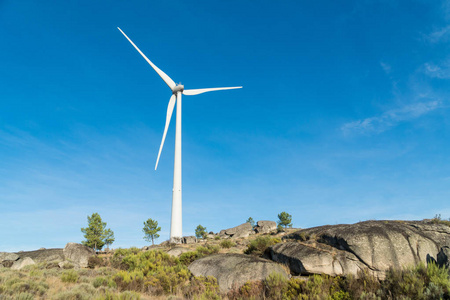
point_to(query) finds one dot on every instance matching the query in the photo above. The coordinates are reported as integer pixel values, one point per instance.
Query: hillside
(385, 259)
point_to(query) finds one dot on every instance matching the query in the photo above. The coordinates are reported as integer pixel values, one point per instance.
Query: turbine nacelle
(178, 88)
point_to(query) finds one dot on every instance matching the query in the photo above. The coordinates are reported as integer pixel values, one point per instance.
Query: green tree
(109, 238)
(284, 219)
(96, 234)
(151, 230)
(200, 232)
(251, 221)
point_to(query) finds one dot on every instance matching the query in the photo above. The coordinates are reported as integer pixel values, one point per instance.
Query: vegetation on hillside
(133, 274)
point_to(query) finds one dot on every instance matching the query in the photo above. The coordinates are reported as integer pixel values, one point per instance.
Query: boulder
(265, 226)
(305, 259)
(21, 263)
(189, 239)
(240, 231)
(44, 255)
(176, 240)
(374, 245)
(233, 270)
(78, 254)
(177, 251)
(6, 256)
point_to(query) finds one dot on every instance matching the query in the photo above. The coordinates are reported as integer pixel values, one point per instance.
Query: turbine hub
(178, 88)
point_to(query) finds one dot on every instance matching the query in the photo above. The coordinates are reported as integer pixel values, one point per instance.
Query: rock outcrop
(189, 239)
(22, 263)
(8, 256)
(241, 231)
(78, 254)
(233, 270)
(265, 226)
(372, 245)
(43, 255)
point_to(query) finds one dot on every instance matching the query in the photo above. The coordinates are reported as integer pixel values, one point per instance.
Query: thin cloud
(436, 71)
(440, 34)
(387, 68)
(389, 118)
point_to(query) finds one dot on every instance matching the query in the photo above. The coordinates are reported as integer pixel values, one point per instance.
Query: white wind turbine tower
(177, 91)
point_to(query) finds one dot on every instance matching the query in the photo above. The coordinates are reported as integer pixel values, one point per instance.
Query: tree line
(97, 235)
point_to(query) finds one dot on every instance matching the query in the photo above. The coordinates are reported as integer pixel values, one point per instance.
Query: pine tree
(200, 232)
(285, 219)
(96, 234)
(151, 230)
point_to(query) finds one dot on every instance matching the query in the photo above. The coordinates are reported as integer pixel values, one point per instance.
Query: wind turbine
(177, 91)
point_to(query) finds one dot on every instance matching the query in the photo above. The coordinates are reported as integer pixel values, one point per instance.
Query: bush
(95, 261)
(70, 276)
(227, 244)
(82, 291)
(259, 245)
(188, 257)
(276, 285)
(250, 290)
(203, 287)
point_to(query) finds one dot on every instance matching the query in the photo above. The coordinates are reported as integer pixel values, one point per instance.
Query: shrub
(217, 237)
(25, 296)
(16, 286)
(95, 261)
(227, 244)
(259, 245)
(438, 277)
(276, 285)
(203, 287)
(79, 292)
(250, 290)
(70, 276)
(363, 283)
(438, 220)
(188, 257)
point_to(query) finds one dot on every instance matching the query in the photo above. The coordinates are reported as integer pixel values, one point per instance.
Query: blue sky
(343, 116)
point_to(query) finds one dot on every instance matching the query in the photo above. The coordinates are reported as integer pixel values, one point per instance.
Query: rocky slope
(373, 245)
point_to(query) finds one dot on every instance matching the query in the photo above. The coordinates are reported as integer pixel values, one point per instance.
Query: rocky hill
(242, 254)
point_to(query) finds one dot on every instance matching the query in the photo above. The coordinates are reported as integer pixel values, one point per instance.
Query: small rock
(177, 251)
(189, 239)
(21, 263)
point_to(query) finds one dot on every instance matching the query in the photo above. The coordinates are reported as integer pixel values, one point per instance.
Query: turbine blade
(201, 91)
(169, 115)
(163, 75)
